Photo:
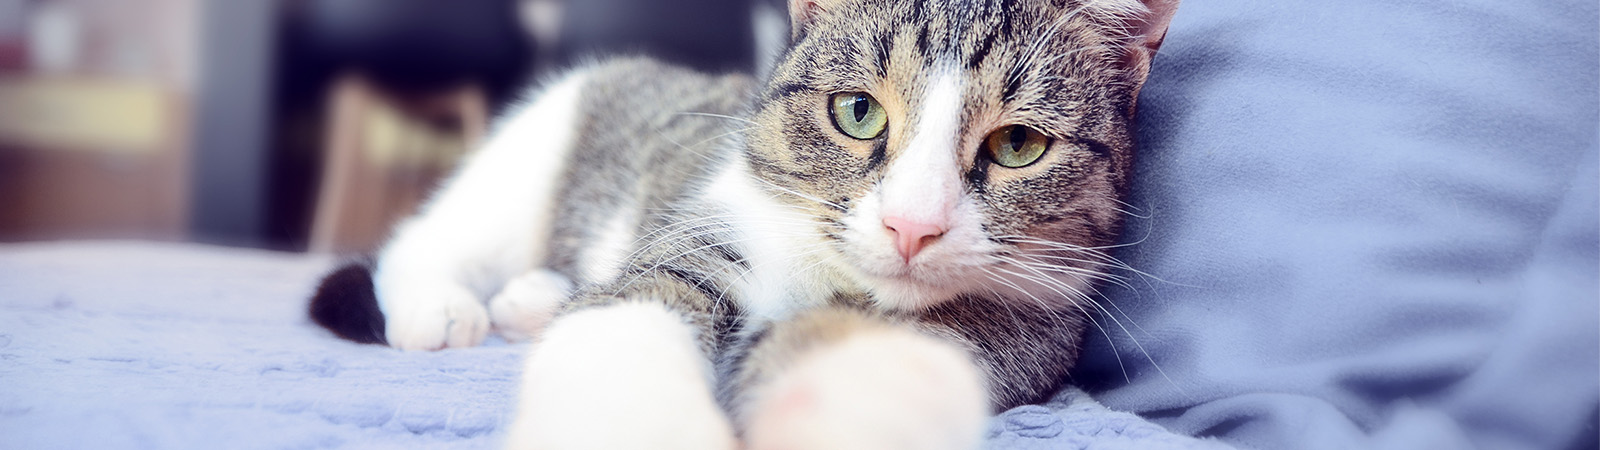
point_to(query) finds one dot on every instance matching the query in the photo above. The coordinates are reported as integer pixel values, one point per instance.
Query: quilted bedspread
(135, 345)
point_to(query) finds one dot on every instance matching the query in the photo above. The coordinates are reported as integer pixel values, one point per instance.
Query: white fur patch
(780, 244)
(484, 226)
(923, 183)
(877, 390)
(603, 256)
(619, 377)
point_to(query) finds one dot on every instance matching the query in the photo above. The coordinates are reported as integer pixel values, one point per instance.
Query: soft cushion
(1365, 224)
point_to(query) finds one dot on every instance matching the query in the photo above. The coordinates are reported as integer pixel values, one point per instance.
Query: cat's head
(958, 147)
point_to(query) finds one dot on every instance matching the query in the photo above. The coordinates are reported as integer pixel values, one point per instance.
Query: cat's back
(645, 132)
(634, 92)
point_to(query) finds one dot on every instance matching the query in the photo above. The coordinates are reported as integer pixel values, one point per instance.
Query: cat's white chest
(781, 248)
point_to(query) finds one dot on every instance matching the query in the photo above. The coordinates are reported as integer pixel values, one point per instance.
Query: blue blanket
(148, 346)
(1374, 226)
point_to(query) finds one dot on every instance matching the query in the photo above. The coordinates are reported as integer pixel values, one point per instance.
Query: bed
(1358, 224)
(135, 345)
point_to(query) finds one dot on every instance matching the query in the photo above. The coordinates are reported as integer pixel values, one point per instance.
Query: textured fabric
(147, 346)
(1367, 224)
(1072, 420)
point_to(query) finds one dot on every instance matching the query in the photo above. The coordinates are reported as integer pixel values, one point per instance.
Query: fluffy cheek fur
(1055, 237)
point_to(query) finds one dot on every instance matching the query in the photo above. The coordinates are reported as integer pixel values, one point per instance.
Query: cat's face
(953, 148)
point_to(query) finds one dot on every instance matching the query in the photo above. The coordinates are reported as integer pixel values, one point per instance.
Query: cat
(890, 237)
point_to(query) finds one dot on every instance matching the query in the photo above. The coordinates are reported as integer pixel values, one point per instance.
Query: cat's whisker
(1149, 215)
(1035, 240)
(1044, 257)
(694, 232)
(719, 116)
(724, 220)
(1045, 306)
(682, 254)
(1016, 322)
(645, 243)
(1061, 268)
(1086, 314)
(1093, 252)
(1069, 270)
(801, 195)
(752, 268)
(1079, 306)
(698, 232)
(1099, 259)
(723, 135)
(696, 149)
(1044, 282)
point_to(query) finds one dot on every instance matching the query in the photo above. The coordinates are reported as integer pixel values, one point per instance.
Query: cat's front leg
(843, 379)
(629, 373)
(485, 226)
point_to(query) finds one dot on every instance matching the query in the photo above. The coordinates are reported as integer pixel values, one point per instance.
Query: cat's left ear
(802, 13)
(1148, 30)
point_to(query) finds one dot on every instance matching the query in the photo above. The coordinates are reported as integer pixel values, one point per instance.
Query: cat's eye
(858, 115)
(1016, 145)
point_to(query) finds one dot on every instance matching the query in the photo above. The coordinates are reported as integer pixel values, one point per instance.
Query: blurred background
(299, 125)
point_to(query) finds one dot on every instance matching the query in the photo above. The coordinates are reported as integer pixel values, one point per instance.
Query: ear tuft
(1151, 27)
(1147, 29)
(802, 13)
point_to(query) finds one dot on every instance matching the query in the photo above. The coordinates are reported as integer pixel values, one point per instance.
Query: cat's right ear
(803, 12)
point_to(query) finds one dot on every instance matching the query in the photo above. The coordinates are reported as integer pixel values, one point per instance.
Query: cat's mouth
(916, 284)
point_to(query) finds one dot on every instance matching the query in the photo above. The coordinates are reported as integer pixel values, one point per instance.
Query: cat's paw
(527, 303)
(877, 390)
(434, 316)
(620, 377)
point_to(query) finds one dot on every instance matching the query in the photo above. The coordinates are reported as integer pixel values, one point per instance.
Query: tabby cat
(886, 240)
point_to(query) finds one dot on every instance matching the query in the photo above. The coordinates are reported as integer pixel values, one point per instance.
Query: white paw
(526, 303)
(433, 316)
(621, 377)
(878, 390)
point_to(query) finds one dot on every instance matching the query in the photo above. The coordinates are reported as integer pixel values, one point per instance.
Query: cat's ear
(1151, 27)
(1148, 30)
(803, 12)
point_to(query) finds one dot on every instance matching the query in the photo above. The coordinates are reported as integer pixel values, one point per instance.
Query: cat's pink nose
(910, 237)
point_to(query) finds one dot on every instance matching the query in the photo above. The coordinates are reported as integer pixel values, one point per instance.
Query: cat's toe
(883, 390)
(527, 303)
(435, 317)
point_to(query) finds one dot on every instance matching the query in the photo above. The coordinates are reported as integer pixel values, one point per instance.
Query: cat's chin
(906, 292)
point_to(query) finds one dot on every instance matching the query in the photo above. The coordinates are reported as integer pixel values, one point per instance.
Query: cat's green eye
(1016, 145)
(858, 115)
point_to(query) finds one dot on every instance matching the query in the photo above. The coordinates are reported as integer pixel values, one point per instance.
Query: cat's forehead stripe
(942, 105)
(922, 181)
